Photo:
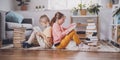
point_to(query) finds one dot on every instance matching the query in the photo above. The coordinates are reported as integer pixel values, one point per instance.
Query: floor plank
(19, 54)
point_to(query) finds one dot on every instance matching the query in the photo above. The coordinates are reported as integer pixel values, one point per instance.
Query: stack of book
(0, 43)
(91, 34)
(81, 30)
(118, 34)
(0, 31)
(19, 37)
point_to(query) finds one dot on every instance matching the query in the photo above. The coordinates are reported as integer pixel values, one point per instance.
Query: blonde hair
(44, 16)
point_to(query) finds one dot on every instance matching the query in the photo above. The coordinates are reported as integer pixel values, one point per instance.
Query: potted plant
(117, 12)
(75, 11)
(94, 9)
(82, 8)
(23, 4)
(110, 4)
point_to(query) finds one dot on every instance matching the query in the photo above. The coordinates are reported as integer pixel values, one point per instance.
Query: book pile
(91, 34)
(81, 35)
(81, 28)
(19, 37)
(118, 34)
(0, 31)
(0, 43)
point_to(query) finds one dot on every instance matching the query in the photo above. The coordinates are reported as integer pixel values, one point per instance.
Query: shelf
(79, 24)
(83, 22)
(93, 16)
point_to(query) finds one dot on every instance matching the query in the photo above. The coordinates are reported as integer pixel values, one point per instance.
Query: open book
(41, 40)
(37, 29)
(71, 27)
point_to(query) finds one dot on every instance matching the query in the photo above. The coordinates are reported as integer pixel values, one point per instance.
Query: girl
(62, 36)
(42, 33)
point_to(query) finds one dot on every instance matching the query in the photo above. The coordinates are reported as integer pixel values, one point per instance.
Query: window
(57, 4)
(68, 4)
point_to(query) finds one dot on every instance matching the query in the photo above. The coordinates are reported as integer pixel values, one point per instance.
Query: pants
(64, 42)
(32, 37)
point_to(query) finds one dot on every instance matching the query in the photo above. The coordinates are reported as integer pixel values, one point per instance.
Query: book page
(71, 27)
(37, 29)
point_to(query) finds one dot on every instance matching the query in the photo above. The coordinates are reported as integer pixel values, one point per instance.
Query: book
(90, 20)
(93, 43)
(71, 27)
(94, 40)
(91, 24)
(90, 34)
(0, 43)
(94, 34)
(93, 37)
(17, 45)
(91, 30)
(91, 27)
(81, 32)
(82, 35)
(37, 29)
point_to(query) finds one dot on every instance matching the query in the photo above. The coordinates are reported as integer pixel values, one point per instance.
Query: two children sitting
(53, 33)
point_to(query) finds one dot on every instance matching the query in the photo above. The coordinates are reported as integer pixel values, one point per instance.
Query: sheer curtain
(68, 4)
(57, 4)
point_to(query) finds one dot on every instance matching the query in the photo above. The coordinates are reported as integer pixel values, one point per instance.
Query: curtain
(68, 4)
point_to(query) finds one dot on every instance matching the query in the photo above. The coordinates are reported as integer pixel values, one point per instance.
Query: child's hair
(44, 16)
(58, 15)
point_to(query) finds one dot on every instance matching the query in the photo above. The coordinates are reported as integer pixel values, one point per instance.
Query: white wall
(105, 19)
(35, 3)
(35, 15)
(32, 4)
(6, 5)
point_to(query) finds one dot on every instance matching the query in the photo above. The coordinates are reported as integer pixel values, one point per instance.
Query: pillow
(11, 25)
(27, 26)
(14, 17)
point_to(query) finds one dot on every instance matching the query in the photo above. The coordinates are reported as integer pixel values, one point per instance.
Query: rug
(103, 46)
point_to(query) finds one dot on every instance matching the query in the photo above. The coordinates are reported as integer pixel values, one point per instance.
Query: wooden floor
(15, 54)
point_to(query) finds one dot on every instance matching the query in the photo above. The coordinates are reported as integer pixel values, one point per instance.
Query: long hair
(58, 15)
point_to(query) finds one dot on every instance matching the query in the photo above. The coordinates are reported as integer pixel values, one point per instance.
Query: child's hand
(37, 33)
(72, 25)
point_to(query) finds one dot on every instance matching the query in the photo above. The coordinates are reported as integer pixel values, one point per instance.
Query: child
(42, 34)
(62, 36)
